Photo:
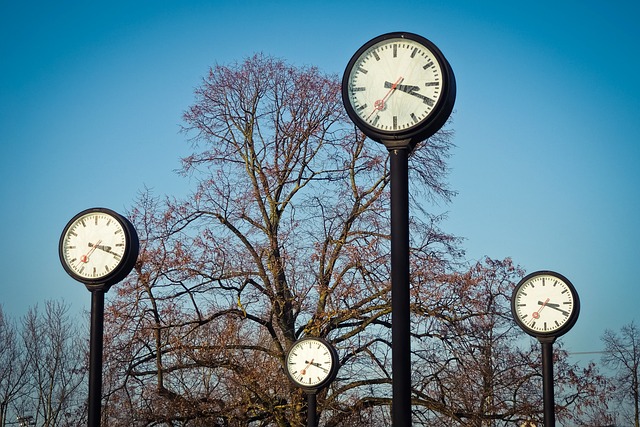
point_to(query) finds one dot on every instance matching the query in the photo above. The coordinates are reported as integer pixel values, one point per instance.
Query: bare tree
(622, 354)
(286, 235)
(13, 366)
(57, 365)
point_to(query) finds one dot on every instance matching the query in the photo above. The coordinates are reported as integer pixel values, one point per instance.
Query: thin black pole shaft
(95, 357)
(312, 412)
(400, 332)
(547, 383)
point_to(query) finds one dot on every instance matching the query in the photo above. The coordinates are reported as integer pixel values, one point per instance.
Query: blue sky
(546, 119)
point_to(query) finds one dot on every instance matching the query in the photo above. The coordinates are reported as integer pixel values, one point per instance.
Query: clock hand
(411, 90)
(379, 104)
(105, 248)
(85, 257)
(549, 304)
(536, 314)
(555, 307)
(425, 99)
(404, 88)
(304, 371)
(318, 365)
(101, 247)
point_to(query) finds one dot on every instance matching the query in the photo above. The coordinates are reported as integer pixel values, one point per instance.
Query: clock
(545, 304)
(98, 247)
(398, 86)
(311, 363)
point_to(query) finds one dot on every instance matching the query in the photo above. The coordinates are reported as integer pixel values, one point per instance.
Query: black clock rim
(568, 324)
(426, 128)
(332, 373)
(125, 265)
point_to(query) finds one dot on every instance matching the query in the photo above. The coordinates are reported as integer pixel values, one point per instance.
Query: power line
(585, 352)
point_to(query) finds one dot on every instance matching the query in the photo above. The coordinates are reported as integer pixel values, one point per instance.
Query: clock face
(311, 363)
(396, 83)
(545, 303)
(94, 245)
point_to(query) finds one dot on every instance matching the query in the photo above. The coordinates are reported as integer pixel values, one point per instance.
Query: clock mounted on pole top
(545, 304)
(98, 247)
(311, 363)
(399, 87)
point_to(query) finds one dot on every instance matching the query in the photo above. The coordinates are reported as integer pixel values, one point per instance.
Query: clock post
(548, 394)
(399, 89)
(312, 410)
(400, 297)
(96, 336)
(98, 247)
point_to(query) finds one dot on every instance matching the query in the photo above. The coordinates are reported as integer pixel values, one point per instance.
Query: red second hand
(85, 258)
(536, 314)
(304, 371)
(379, 104)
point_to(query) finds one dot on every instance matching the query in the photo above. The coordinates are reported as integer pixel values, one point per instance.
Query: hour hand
(101, 247)
(555, 307)
(404, 88)
(412, 90)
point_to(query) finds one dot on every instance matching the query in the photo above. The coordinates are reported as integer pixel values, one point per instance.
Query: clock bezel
(570, 321)
(330, 376)
(129, 256)
(426, 127)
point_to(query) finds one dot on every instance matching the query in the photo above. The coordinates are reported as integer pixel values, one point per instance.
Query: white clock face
(309, 362)
(544, 304)
(395, 84)
(93, 245)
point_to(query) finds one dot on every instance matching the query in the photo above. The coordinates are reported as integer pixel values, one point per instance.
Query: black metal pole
(400, 332)
(547, 382)
(95, 357)
(312, 412)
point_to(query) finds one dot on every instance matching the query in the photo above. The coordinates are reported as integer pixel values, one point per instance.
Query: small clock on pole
(311, 364)
(98, 247)
(545, 305)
